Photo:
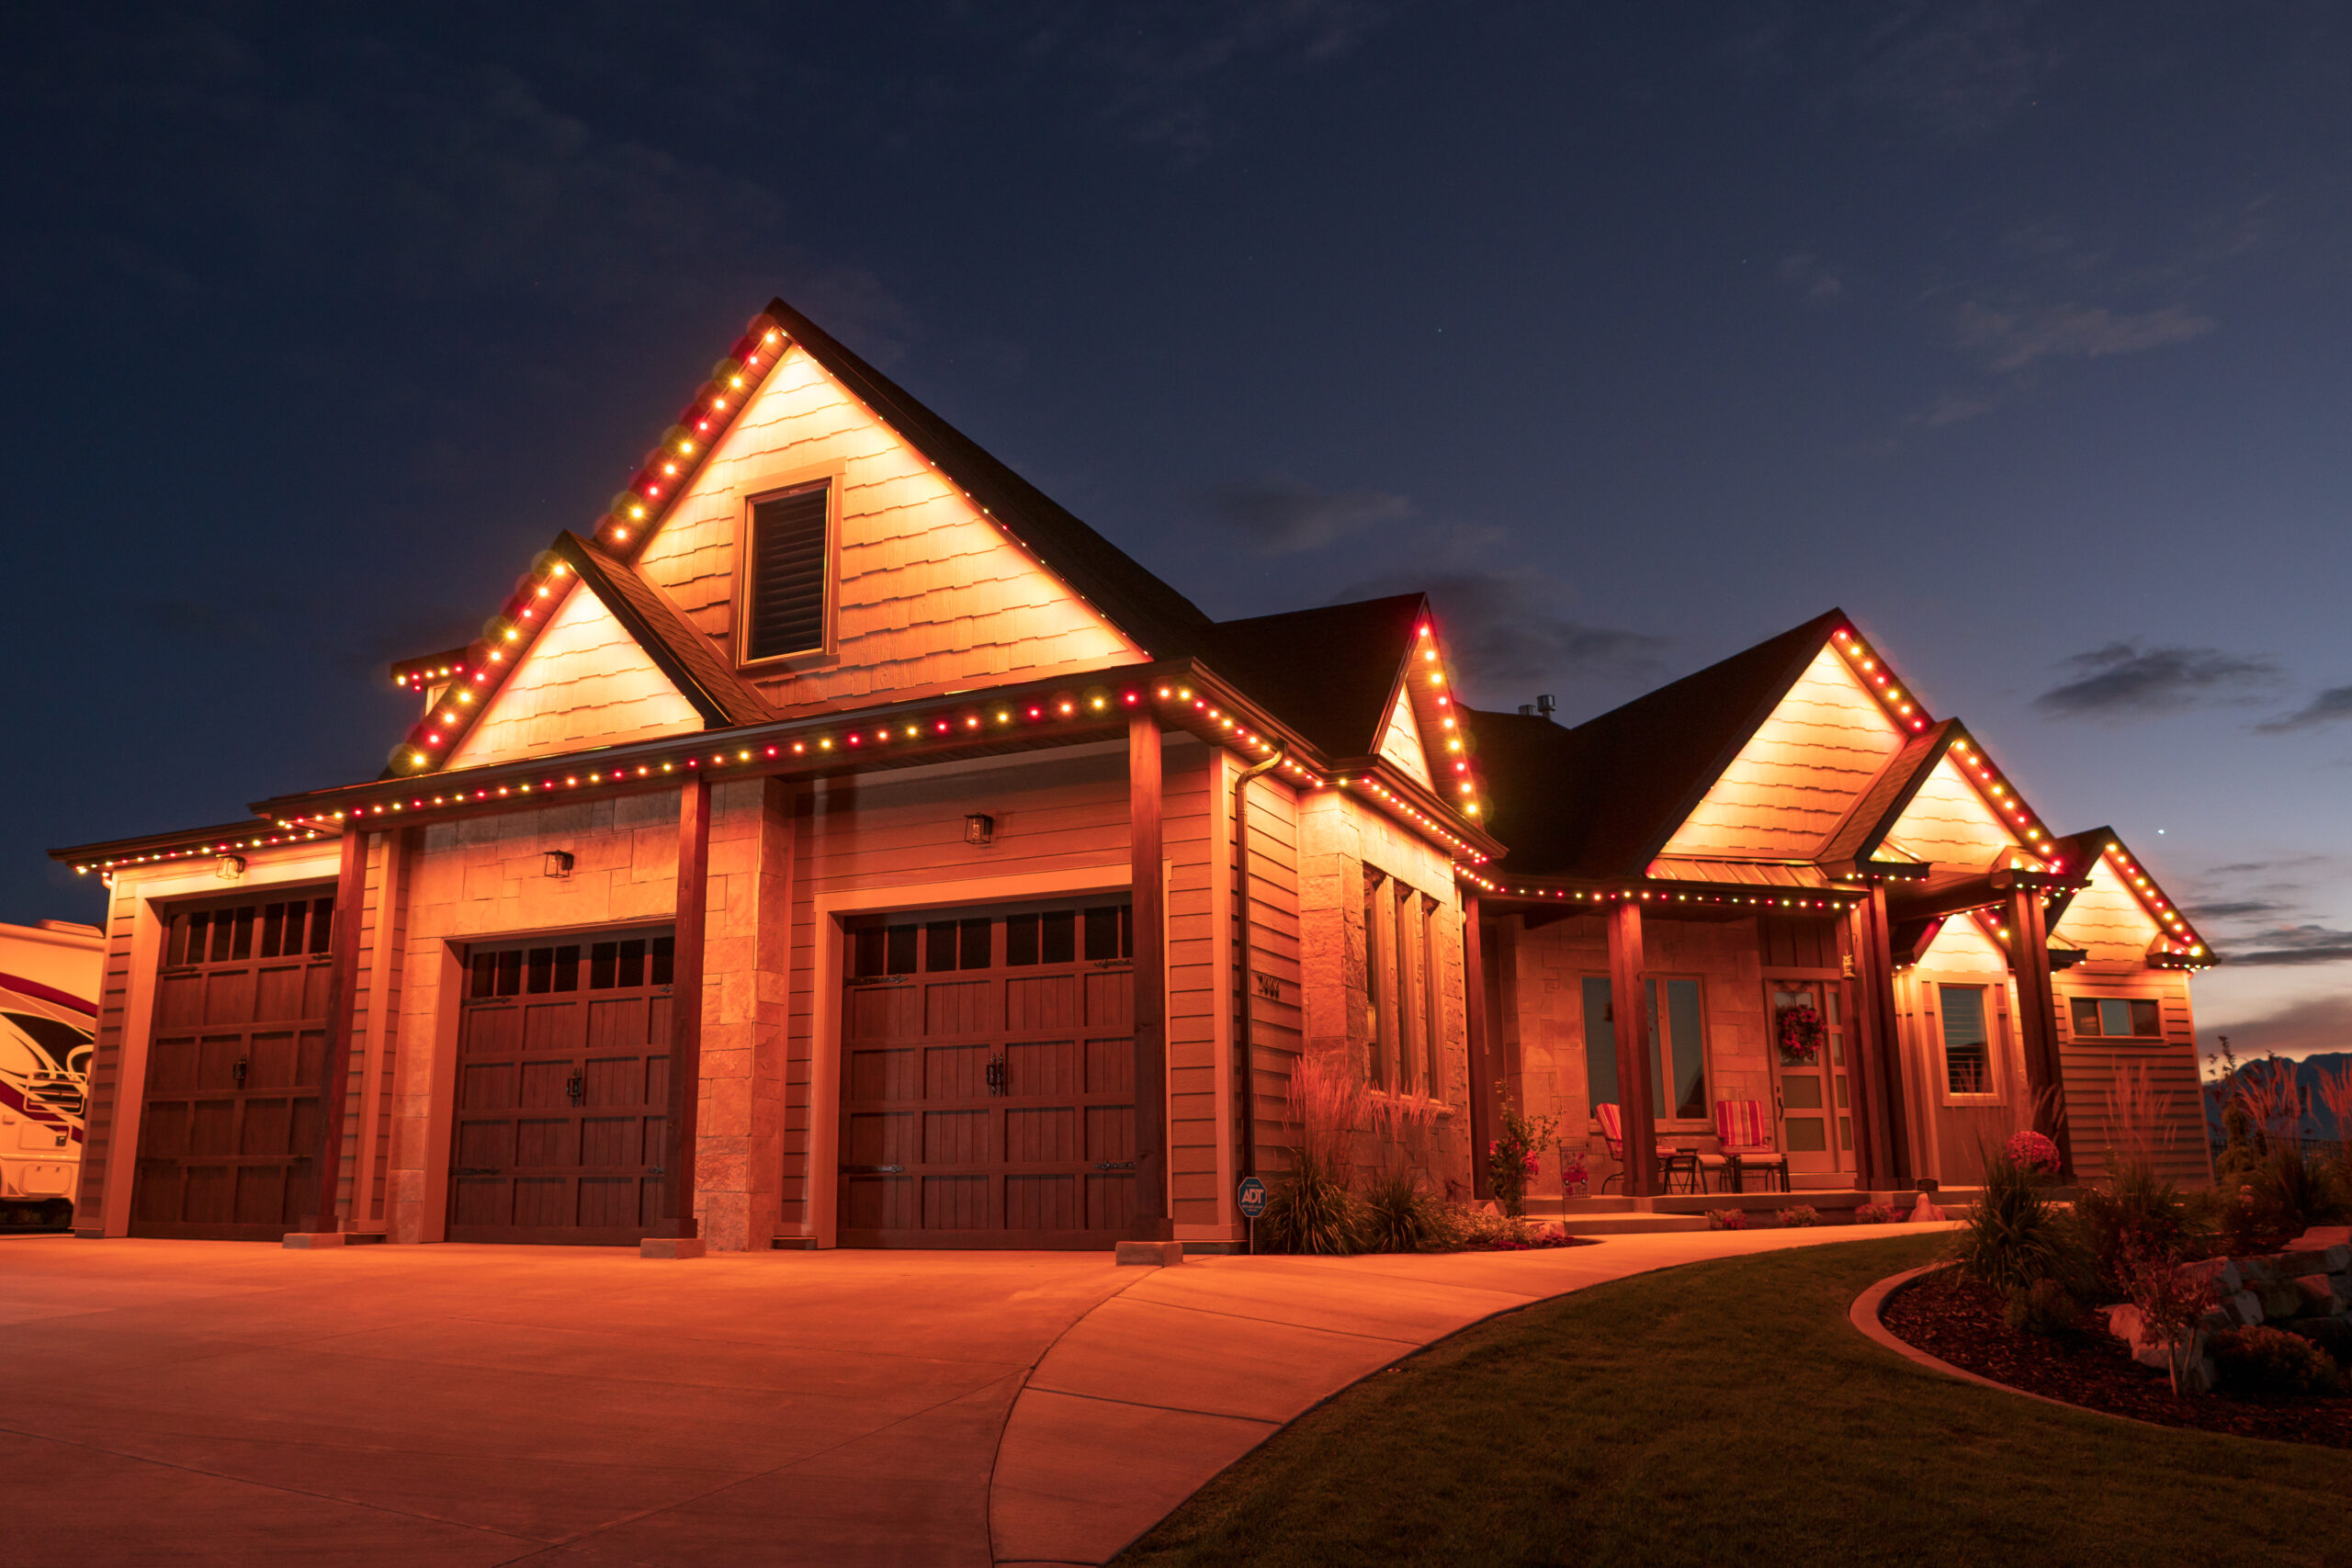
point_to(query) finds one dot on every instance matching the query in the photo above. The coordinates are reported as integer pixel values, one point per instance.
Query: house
(986, 892)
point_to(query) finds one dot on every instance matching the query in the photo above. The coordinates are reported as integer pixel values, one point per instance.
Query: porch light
(558, 863)
(979, 827)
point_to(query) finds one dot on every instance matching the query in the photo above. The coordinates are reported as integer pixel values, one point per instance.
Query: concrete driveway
(197, 1402)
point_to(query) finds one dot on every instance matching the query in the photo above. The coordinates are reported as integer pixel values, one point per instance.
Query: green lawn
(1727, 1415)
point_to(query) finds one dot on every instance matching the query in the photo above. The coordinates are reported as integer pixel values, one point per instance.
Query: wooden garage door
(227, 1140)
(563, 1086)
(988, 1079)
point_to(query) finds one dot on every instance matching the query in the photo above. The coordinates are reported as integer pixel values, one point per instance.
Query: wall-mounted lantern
(559, 862)
(979, 828)
(229, 868)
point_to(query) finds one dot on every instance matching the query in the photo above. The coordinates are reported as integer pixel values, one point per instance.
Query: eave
(1186, 695)
(185, 843)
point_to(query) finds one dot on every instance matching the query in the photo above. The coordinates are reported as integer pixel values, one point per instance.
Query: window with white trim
(2117, 1018)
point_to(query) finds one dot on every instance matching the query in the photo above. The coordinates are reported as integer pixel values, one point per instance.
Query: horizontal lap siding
(1271, 946)
(1189, 822)
(1795, 778)
(931, 594)
(105, 1086)
(2100, 1114)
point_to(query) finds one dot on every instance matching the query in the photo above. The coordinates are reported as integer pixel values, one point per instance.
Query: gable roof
(1149, 613)
(1857, 838)
(1330, 674)
(1600, 799)
(682, 652)
(1158, 618)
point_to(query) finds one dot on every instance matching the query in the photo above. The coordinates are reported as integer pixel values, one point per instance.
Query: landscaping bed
(1961, 1322)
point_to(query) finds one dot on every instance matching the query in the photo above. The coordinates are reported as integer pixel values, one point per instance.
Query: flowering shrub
(1801, 1214)
(1875, 1214)
(1727, 1219)
(1512, 1160)
(2033, 1152)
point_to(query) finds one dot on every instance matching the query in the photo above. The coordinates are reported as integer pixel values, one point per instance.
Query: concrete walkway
(204, 1402)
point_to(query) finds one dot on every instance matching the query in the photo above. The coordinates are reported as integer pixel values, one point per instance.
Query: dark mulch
(1960, 1322)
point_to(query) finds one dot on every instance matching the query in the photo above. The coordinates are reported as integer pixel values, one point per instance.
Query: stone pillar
(342, 997)
(674, 1233)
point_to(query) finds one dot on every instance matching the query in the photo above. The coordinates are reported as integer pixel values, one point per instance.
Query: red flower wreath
(1802, 1033)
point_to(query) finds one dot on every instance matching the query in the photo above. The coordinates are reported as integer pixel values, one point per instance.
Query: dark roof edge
(1827, 622)
(1161, 621)
(657, 628)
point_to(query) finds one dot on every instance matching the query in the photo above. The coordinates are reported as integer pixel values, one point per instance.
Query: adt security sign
(1251, 1198)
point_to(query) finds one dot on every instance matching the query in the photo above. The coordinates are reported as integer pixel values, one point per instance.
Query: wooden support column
(1629, 1014)
(1152, 1221)
(1877, 1057)
(1474, 1031)
(342, 998)
(674, 1233)
(2038, 1022)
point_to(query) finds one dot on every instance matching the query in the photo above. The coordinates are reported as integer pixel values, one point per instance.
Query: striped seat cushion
(1740, 1125)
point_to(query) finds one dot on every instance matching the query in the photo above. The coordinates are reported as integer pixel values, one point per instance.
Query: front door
(229, 1135)
(563, 1091)
(988, 1078)
(1811, 1094)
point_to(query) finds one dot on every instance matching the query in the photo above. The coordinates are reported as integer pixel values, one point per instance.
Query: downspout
(1244, 1044)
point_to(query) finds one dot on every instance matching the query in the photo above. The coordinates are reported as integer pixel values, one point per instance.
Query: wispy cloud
(1508, 636)
(2231, 909)
(2329, 707)
(2124, 680)
(2302, 1028)
(2293, 945)
(1958, 69)
(1282, 516)
(1955, 408)
(1812, 276)
(2012, 337)
(1167, 66)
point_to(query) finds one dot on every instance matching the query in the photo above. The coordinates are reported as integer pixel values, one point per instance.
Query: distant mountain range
(2318, 1125)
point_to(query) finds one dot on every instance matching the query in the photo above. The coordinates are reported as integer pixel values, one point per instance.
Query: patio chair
(1671, 1162)
(1746, 1143)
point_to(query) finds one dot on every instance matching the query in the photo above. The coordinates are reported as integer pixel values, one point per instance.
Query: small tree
(1512, 1158)
(2172, 1303)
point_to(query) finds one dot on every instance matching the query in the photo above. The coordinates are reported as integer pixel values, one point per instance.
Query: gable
(1400, 740)
(930, 594)
(584, 682)
(2107, 919)
(1949, 823)
(1963, 951)
(1795, 780)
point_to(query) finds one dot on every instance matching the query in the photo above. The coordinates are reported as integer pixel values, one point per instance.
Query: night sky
(1633, 333)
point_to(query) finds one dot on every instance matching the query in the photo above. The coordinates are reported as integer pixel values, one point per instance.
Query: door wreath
(1802, 1033)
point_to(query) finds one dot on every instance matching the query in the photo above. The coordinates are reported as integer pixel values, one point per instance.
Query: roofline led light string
(1976, 766)
(634, 515)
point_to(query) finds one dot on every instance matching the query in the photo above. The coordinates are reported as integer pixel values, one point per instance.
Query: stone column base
(671, 1247)
(1150, 1253)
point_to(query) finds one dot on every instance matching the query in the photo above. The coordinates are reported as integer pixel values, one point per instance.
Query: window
(1677, 1028)
(1103, 934)
(785, 572)
(1412, 1018)
(1375, 1021)
(2118, 1018)
(1968, 1040)
(1599, 1043)
(1682, 1091)
(1432, 1000)
(539, 971)
(1403, 999)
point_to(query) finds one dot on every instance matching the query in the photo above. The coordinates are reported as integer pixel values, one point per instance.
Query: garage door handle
(1116, 1165)
(873, 1169)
